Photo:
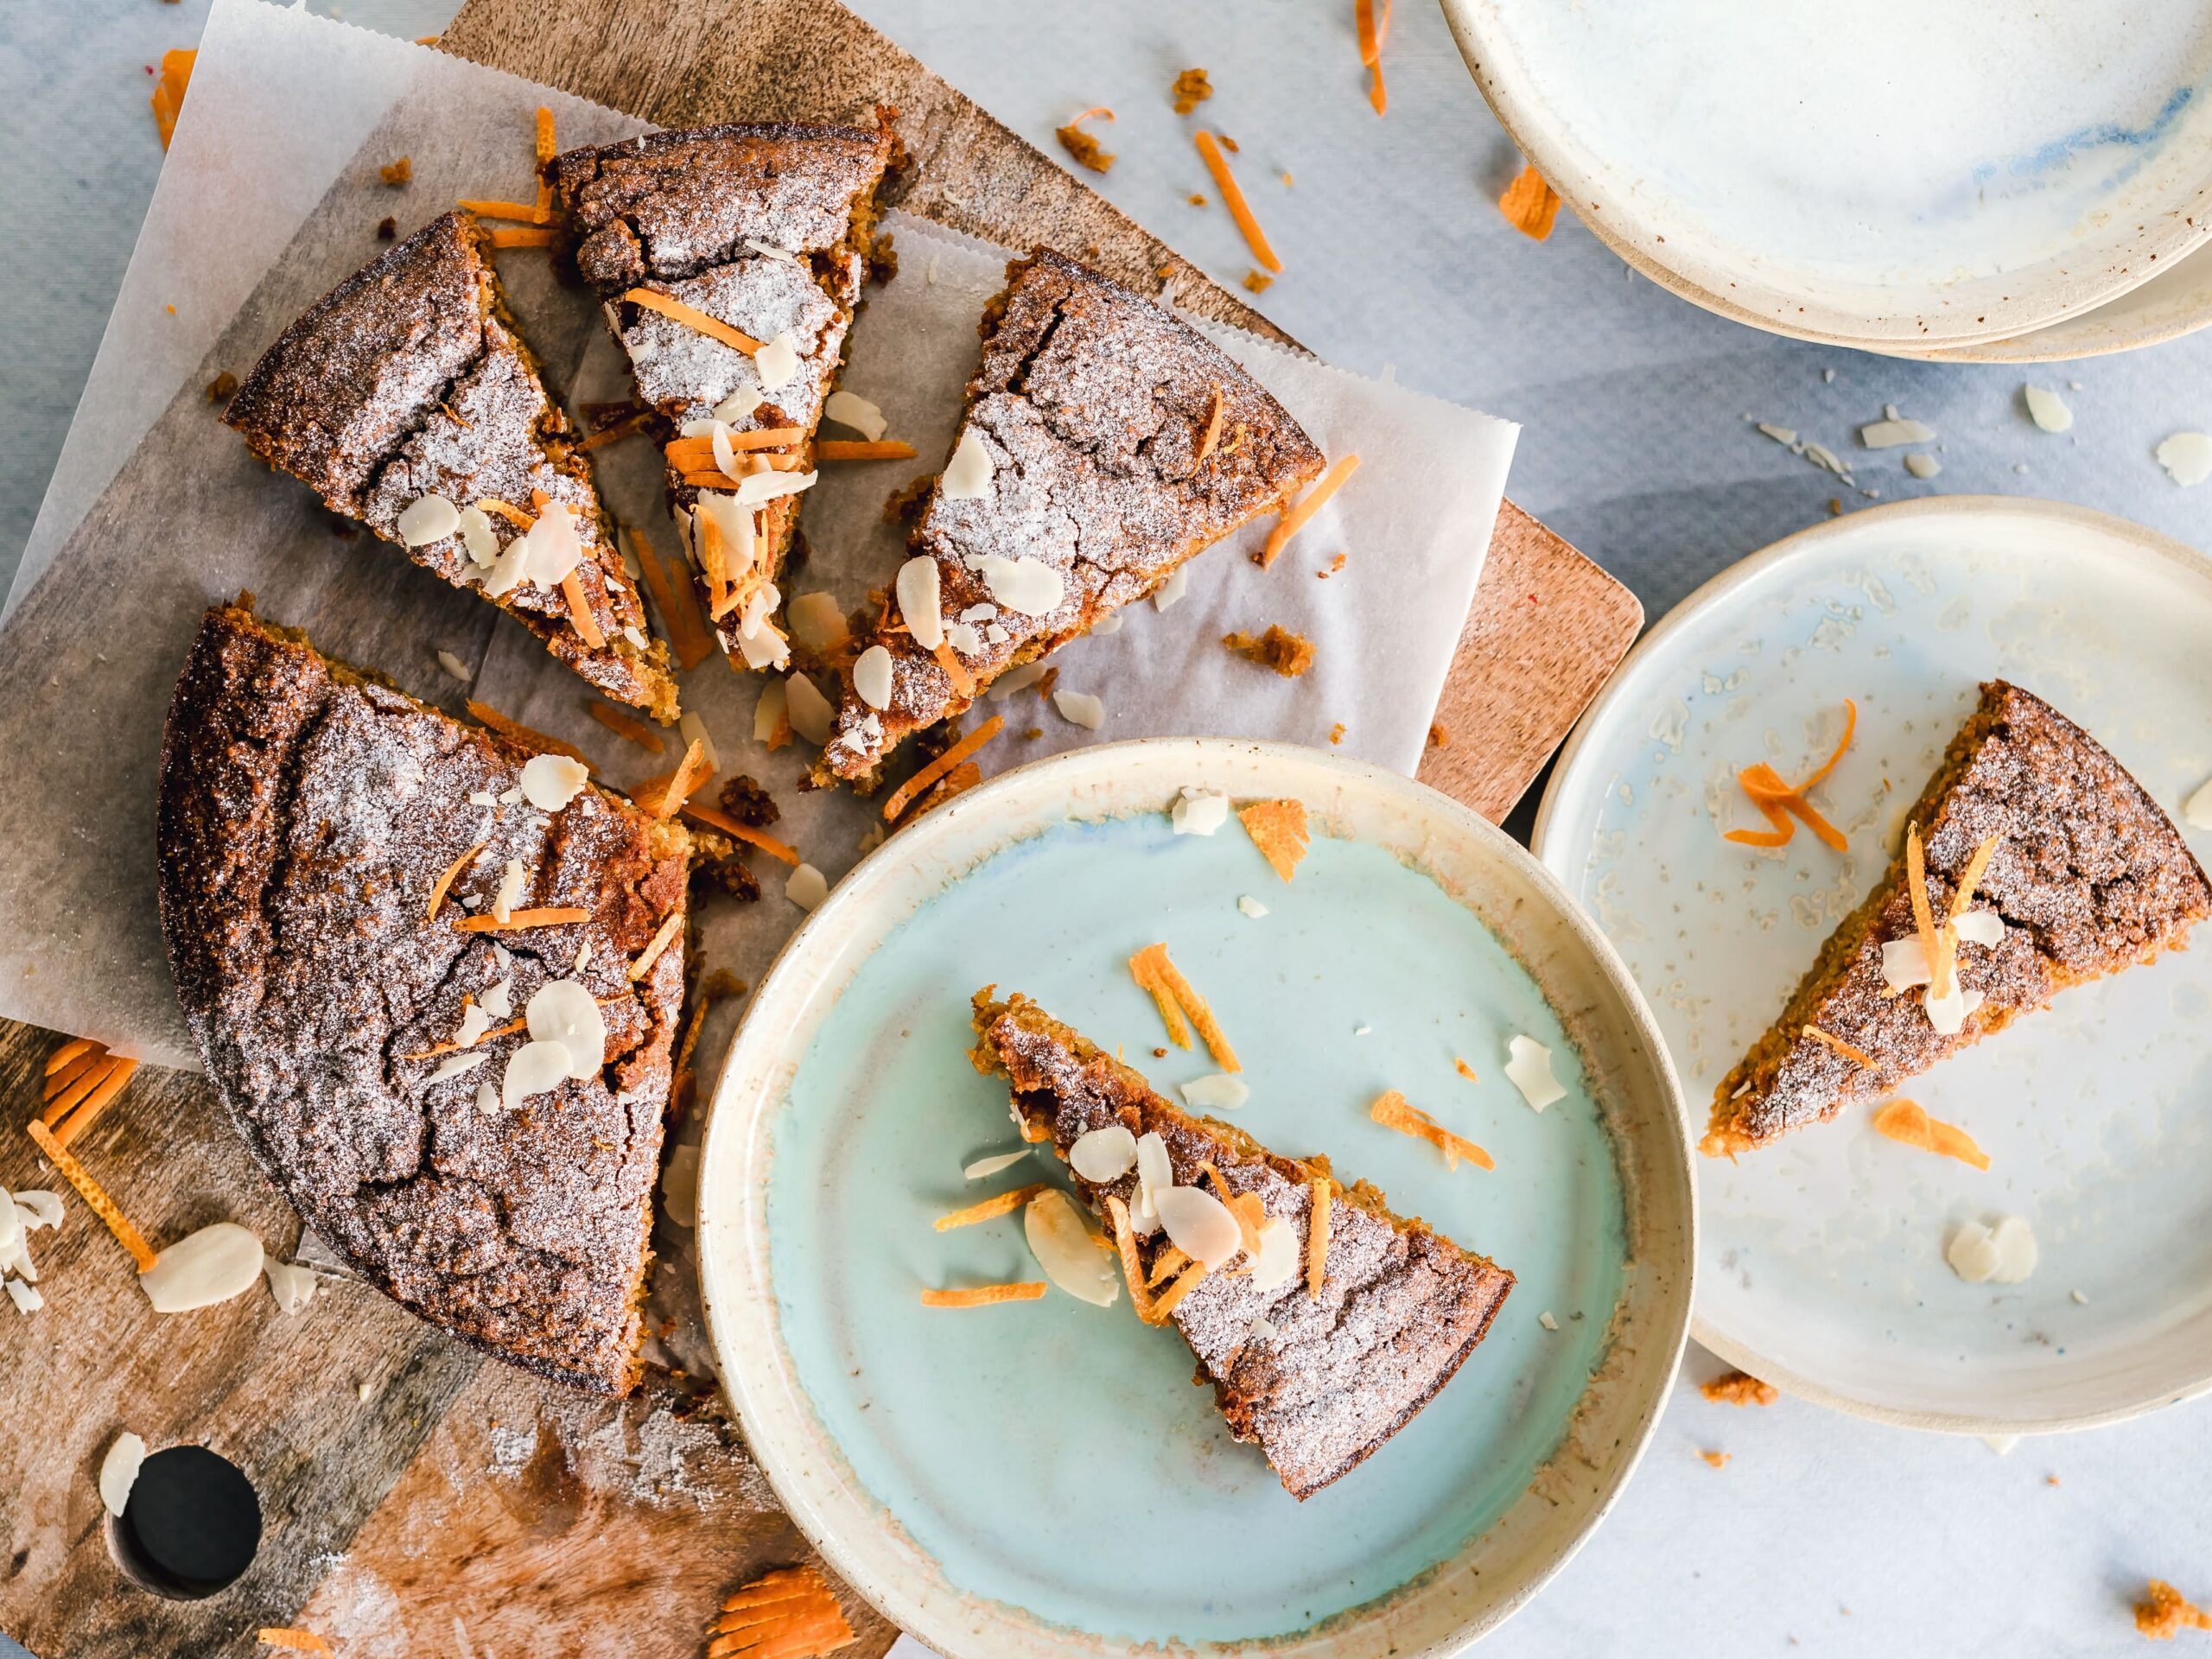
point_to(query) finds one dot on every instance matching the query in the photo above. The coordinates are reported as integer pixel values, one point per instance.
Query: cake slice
(405, 398)
(729, 260)
(1319, 1377)
(2084, 875)
(1105, 441)
(469, 1113)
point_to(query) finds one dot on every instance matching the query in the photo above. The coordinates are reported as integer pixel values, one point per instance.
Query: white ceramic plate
(2175, 301)
(1041, 1476)
(1821, 1265)
(1896, 174)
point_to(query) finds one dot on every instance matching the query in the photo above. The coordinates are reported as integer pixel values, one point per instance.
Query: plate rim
(913, 1609)
(1522, 116)
(2141, 541)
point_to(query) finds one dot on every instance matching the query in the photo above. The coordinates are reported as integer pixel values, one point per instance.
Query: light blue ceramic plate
(1822, 1260)
(1031, 1476)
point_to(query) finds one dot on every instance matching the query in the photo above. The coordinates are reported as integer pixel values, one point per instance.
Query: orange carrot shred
(111, 1085)
(1165, 1265)
(1923, 915)
(1970, 877)
(1152, 969)
(1372, 33)
(1001, 1204)
(529, 212)
(1294, 518)
(1125, 1245)
(1394, 1111)
(1776, 800)
(545, 145)
(503, 237)
(716, 818)
(101, 1205)
(617, 429)
(1185, 1283)
(679, 615)
(444, 883)
(69, 1050)
(580, 616)
(964, 683)
(1907, 1121)
(1233, 198)
(676, 311)
(1780, 832)
(852, 449)
(1280, 830)
(670, 927)
(548, 916)
(70, 1075)
(1211, 436)
(983, 1295)
(63, 1101)
(1316, 1240)
(1465, 1070)
(681, 452)
(293, 1641)
(936, 769)
(507, 510)
(1530, 205)
(515, 732)
(167, 99)
(691, 773)
(1856, 1056)
(622, 726)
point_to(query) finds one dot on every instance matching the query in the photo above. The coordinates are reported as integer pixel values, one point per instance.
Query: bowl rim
(756, 1370)
(1715, 592)
(1614, 218)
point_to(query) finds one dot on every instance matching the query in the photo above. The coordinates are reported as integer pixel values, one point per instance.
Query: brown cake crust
(2089, 876)
(1401, 1307)
(409, 379)
(686, 214)
(1093, 404)
(306, 813)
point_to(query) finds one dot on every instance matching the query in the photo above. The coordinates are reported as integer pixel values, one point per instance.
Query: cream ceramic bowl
(776, 1297)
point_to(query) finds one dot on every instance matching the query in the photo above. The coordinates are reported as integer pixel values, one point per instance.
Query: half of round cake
(437, 980)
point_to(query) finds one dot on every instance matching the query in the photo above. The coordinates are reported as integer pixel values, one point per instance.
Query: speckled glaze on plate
(1821, 1261)
(1042, 1476)
(1895, 176)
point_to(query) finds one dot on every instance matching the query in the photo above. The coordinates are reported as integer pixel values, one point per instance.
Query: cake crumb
(1439, 735)
(1046, 681)
(399, 172)
(1080, 145)
(220, 388)
(1718, 1459)
(749, 803)
(2164, 1612)
(1191, 89)
(1465, 1070)
(1258, 282)
(387, 228)
(1331, 568)
(1197, 199)
(1337, 733)
(1032, 732)
(1739, 1388)
(1288, 653)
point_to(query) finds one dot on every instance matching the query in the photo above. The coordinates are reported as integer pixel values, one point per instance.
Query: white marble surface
(1822, 1534)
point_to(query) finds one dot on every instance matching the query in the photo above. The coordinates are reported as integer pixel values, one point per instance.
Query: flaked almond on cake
(729, 260)
(2032, 861)
(405, 398)
(1324, 1321)
(1104, 442)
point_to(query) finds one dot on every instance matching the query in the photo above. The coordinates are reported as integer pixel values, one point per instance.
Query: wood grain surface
(417, 1499)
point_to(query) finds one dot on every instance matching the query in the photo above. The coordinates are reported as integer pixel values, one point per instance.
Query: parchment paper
(181, 516)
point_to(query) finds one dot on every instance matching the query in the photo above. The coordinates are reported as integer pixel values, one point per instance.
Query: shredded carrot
(111, 1085)
(1153, 970)
(1166, 1265)
(634, 422)
(529, 212)
(1372, 33)
(983, 1295)
(1280, 830)
(1923, 915)
(1125, 1245)
(622, 726)
(69, 1076)
(515, 732)
(1970, 877)
(444, 883)
(1316, 1240)
(75, 1047)
(1394, 1111)
(1856, 1056)
(708, 536)
(1776, 800)
(716, 818)
(102, 1205)
(990, 1209)
(548, 916)
(1171, 1297)
(580, 616)
(167, 99)
(296, 1641)
(691, 773)
(679, 615)
(721, 480)
(1530, 206)
(645, 958)
(507, 510)
(1294, 518)
(1142, 968)
(60, 1101)
(1211, 436)
(544, 150)
(1780, 832)
(503, 237)
(964, 683)
(936, 769)
(676, 311)
(762, 1587)
(1907, 1121)
(962, 778)
(849, 450)
(1465, 1070)
(1233, 198)
(683, 453)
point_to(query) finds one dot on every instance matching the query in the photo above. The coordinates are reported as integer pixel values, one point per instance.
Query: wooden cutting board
(417, 1499)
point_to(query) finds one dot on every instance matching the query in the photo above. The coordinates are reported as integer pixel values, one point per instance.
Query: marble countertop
(1822, 1534)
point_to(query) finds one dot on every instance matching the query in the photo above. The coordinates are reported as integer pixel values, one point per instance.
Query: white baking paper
(270, 197)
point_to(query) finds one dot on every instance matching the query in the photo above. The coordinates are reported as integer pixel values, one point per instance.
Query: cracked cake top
(1105, 441)
(364, 1024)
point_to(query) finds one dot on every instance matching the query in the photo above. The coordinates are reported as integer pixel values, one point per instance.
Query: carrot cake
(729, 260)
(2045, 865)
(1105, 441)
(406, 399)
(1318, 1352)
(406, 950)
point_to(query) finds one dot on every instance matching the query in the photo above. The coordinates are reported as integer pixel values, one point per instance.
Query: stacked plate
(1988, 181)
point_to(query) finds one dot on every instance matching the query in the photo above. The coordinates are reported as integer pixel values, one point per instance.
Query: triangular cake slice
(1318, 1379)
(405, 398)
(1105, 441)
(704, 243)
(2084, 876)
(366, 904)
